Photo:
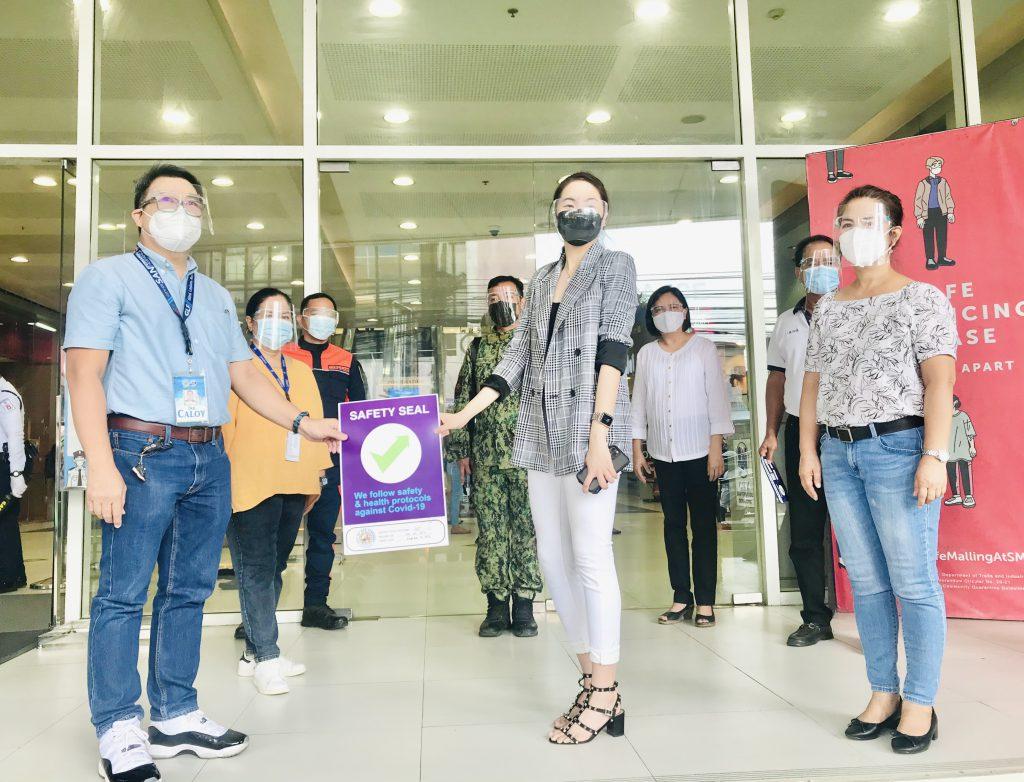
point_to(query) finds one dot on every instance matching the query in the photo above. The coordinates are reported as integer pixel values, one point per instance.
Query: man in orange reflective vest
(339, 379)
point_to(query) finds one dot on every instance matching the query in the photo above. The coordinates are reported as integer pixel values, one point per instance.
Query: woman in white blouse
(681, 408)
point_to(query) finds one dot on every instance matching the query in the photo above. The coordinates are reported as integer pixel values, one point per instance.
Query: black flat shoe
(671, 617)
(902, 744)
(704, 621)
(323, 617)
(809, 634)
(858, 730)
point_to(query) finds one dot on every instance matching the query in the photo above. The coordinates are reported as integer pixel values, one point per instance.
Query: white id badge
(291, 449)
(191, 404)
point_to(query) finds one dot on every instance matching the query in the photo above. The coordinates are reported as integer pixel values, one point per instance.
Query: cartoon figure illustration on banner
(933, 208)
(961, 455)
(834, 159)
(78, 475)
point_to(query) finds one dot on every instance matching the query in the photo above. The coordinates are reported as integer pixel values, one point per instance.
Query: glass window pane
(411, 300)
(999, 41)
(466, 72)
(833, 71)
(38, 72)
(239, 255)
(194, 72)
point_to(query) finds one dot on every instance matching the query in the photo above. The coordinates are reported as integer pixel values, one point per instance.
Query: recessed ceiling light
(396, 116)
(222, 181)
(19, 259)
(385, 8)
(794, 115)
(176, 117)
(651, 9)
(371, 320)
(44, 181)
(297, 282)
(902, 11)
(403, 181)
(255, 225)
(730, 179)
(120, 226)
(414, 281)
(598, 117)
(73, 181)
(408, 225)
(411, 257)
(107, 227)
(279, 257)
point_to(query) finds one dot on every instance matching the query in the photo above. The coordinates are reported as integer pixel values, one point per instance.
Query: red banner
(963, 232)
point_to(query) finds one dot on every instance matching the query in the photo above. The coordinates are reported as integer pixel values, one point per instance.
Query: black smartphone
(619, 461)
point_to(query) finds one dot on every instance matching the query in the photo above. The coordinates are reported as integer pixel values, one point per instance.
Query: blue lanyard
(285, 385)
(190, 289)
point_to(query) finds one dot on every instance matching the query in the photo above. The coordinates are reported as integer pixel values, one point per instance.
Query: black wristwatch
(17, 474)
(297, 421)
(602, 418)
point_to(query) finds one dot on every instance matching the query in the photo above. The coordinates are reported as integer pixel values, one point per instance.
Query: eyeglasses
(194, 205)
(670, 308)
(564, 204)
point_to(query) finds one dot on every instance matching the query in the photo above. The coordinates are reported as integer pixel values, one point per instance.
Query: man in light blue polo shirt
(153, 350)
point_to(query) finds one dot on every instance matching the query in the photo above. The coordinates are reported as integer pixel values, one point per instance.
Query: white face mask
(176, 231)
(322, 326)
(864, 246)
(667, 322)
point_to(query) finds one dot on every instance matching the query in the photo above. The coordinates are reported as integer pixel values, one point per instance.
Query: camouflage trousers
(506, 547)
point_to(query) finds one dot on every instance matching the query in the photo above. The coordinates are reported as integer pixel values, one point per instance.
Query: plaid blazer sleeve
(507, 377)
(618, 310)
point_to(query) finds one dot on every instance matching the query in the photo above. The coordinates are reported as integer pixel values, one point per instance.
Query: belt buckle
(840, 430)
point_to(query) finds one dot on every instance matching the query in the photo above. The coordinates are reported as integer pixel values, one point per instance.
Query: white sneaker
(124, 753)
(247, 667)
(195, 734)
(268, 678)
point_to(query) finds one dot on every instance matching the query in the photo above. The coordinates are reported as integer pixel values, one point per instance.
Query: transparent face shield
(578, 221)
(820, 271)
(320, 322)
(864, 233)
(273, 325)
(503, 305)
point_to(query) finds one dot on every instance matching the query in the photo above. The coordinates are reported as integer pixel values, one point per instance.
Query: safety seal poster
(392, 475)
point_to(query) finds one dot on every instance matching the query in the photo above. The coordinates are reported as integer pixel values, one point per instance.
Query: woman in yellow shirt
(275, 479)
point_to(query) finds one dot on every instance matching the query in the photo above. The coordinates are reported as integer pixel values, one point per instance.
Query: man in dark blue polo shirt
(153, 350)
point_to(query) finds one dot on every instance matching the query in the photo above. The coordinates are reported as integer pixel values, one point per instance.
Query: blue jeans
(174, 521)
(455, 498)
(261, 538)
(320, 525)
(890, 548)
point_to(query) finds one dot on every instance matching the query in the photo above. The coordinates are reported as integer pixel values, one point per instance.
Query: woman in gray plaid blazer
(567, 361)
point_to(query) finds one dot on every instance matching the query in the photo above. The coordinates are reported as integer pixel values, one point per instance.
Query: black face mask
(502, 313)
(579, 226)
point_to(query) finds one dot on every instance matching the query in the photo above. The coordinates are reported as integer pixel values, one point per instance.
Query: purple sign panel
(392, 475)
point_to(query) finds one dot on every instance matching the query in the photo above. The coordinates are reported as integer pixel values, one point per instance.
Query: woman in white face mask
(275, 479)
(878, 395)
(680, 407)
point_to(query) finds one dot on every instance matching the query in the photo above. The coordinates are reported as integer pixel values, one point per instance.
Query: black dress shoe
(858, 730)
(902, 744)
(523, 623)
(946, 262)
(323, 617)
(844, 174)
(930, 265)
(809, 634)
(498, 619)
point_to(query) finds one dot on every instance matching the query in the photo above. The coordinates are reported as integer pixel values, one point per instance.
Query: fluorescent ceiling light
(729, 179)
(120, 226)
(794, 115)
(902, 11)
(408, 225)
(107, 227)
(255, 225)
(68, 284)
(176, 117)
(222, 181)
(414, 301)
(403, 181)
(652, 9)
(19, 259)
(385, 8)
(279, 257)
(371, 320)
(396, 116)
(598, 117)
(73, 181)
(297, 282)
(44, 326)
(414, 281)
(411, 257)
(684, 221)
(44, 181)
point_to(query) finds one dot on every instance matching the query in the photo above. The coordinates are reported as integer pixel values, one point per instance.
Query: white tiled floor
(426, 699)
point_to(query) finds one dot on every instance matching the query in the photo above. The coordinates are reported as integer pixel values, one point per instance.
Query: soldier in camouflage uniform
(506, 554)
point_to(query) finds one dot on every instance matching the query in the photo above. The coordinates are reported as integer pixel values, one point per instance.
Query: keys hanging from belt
(139, 470)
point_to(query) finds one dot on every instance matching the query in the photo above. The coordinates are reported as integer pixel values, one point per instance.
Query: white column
(311, 275)
(969, 58)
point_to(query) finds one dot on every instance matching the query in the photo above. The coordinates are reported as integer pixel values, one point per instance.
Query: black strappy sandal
(577, 705)
(704, 621)
(615, 724)
(671, 617)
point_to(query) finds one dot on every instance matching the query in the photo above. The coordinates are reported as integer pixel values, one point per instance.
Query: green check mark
(386, 459)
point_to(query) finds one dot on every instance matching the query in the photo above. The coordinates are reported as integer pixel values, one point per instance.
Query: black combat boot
(497, 620)
(523, 624)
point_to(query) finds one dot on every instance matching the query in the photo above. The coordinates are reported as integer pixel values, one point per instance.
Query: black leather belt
(850, 434)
